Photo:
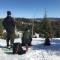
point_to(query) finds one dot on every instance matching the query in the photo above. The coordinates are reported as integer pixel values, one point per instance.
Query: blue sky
(30, 8)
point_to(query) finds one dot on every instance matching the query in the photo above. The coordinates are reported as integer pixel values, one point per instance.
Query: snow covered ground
(36, 52)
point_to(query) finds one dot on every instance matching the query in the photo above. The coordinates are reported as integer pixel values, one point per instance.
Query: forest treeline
(43, 26)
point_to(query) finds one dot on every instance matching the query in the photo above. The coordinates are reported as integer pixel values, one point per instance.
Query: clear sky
(30, 8)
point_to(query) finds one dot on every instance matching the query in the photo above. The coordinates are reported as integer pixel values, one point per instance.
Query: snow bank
(36, 52)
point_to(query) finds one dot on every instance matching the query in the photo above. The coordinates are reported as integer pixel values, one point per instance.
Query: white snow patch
(36, 52)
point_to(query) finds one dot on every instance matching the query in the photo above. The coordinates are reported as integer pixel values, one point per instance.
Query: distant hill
(36, 19)
(51, 19)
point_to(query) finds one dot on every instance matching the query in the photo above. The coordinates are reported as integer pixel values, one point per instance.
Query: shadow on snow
(54, 48)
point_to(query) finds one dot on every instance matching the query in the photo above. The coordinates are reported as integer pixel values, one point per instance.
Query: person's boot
(7, 44)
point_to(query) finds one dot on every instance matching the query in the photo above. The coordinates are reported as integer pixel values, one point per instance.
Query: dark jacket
(9, 24)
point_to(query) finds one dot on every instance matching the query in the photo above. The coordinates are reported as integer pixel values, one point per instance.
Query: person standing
(9, 25)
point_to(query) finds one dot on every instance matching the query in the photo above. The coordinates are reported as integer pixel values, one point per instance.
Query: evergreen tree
(46, 29)
(1, 29)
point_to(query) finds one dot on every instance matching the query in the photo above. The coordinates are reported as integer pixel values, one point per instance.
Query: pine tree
(1, 29)
(46, 29)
